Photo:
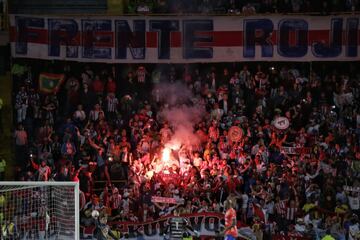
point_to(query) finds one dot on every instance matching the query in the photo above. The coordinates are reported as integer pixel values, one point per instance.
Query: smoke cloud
(183, 110)
(173, 94)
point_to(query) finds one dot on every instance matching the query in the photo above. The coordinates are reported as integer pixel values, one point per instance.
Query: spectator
(34, 104)
(21, 143)
(328, 236)
(68, 149)
(1, 117)
(79, 114)
(98, 86)
(43, 171)
(233, 7)
(111, 85)
(296, 5)
(112, 105)
(97, 113)
(2, 168)
(143, 8)
(354, 228)
(248, 9)
(278, 177)
(21, 104)
(72, 87)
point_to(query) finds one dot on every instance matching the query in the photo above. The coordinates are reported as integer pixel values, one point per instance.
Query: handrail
(191, 14)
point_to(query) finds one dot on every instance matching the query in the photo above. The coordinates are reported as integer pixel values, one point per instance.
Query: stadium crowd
(107, 123)
(241, 7)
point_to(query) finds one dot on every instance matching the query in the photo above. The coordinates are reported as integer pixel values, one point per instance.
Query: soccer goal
(39, 210)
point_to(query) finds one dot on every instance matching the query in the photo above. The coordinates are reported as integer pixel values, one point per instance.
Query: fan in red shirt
(230, 231)
(111, 85)
(98, 86)
(232, 182)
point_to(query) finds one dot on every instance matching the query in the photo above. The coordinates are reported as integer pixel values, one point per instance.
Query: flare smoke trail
(182, 112)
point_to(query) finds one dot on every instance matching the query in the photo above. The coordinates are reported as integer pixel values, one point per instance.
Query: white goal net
(39, 210)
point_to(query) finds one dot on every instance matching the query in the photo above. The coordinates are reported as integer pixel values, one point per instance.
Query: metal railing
(57, 6)
(101, 7)
(357, 13)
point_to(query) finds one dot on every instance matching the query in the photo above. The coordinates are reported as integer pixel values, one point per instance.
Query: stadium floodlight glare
(39, 210)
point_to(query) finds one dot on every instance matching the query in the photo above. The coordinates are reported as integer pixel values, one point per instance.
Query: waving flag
(50, 82)
(258, 212)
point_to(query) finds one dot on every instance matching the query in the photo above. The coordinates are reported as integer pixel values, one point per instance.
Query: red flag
(258, 212)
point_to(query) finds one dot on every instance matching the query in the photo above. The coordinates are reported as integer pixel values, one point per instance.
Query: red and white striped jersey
(115, 201)
(112, 104)
(281, 208)
(291, 213)
(141, 74)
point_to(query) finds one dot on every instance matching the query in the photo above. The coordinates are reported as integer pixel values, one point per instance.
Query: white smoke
(172, 94)
(182, 113)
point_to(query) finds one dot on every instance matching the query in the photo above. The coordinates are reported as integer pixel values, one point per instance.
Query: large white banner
(165, 39)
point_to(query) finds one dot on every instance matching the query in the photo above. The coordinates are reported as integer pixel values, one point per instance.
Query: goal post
(39, 210)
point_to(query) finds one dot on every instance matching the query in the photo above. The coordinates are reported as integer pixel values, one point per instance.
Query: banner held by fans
(207, 224)
(296, 150)
(165, 200)
(185, 39)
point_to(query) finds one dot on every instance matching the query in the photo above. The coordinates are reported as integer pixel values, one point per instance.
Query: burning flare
(166, 155)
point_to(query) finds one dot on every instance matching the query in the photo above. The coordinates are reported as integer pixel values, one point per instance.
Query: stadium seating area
(278, 140)
(104, 125)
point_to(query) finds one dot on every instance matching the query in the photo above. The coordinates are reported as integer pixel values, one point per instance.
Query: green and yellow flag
(50, 82)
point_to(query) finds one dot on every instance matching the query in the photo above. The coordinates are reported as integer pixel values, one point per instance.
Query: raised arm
(34, 165)
(93, 145)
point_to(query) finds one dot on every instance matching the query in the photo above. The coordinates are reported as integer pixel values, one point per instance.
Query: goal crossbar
(39, 184)
(26, 185)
